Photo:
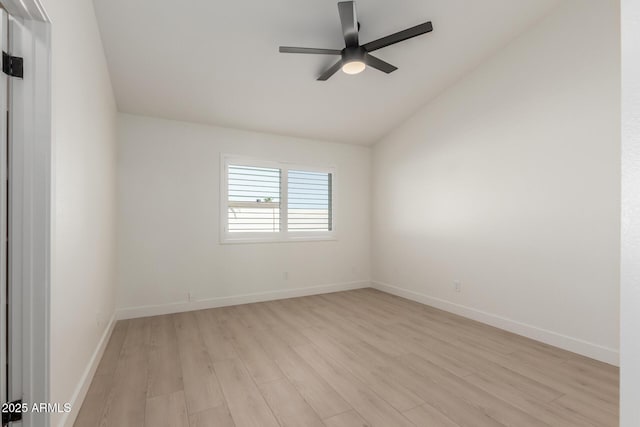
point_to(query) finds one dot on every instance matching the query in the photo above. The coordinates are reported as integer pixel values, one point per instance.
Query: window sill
(289, 239)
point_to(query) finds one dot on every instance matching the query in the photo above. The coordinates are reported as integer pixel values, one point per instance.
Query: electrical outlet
(457, 286)
(285, 275)
(189, 297)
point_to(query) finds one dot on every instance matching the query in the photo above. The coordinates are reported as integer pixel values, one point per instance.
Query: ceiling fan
(355, 57)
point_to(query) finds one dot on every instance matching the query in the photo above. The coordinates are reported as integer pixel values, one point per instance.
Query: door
(11, 307)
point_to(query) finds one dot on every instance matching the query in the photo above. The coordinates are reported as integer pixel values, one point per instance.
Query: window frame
(284, 235)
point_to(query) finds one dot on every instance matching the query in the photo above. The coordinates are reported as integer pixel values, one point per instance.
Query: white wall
(630, 283)
(168, 230)
(509, 182)
(83, 253)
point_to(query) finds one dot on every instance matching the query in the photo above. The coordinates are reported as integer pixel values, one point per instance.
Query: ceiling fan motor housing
(351, 54)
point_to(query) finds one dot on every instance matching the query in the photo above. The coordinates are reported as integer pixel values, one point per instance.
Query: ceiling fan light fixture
(353, 67)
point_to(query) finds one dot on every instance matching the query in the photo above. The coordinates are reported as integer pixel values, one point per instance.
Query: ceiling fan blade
(289, 49)
(349, 21)
(330, 71)
(399, 36)
(379, 64)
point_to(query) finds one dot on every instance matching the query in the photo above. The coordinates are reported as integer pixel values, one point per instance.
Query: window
(253, 199)
(265, 201)
(309, 200)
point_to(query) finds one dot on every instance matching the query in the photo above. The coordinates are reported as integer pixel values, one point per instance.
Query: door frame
(30, 192)
(4, 96)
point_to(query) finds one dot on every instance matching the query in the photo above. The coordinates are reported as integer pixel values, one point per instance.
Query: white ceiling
(216, 62)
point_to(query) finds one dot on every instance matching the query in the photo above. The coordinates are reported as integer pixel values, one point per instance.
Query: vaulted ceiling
(217, 62)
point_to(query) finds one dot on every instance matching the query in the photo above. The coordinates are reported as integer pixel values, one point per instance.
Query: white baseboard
(576, 345)
(178, 307)
(80, 392)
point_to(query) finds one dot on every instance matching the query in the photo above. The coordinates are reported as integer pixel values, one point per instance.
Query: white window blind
(309, 201)
(253, 204)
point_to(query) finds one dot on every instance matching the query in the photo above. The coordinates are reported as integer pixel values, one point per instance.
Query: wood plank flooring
(347, 359)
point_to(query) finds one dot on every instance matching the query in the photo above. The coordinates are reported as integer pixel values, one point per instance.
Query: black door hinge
(12, 65)
(11, 412)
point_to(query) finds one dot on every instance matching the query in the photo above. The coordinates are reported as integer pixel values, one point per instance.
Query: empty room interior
(323, 213)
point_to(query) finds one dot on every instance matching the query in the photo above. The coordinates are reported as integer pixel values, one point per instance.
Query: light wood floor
(357, 358)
